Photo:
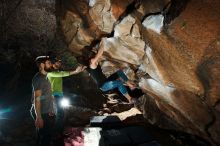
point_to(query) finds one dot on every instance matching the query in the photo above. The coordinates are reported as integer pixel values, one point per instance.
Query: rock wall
(27, 23)
(171, 48)
(27, 29)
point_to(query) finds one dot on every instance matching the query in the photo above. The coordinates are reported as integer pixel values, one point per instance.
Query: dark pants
(44, 135)
(60, 115)
(59, 124)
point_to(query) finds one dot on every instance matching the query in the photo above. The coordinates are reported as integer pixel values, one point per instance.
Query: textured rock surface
(28, 21)
(177, 65)
(105, 13)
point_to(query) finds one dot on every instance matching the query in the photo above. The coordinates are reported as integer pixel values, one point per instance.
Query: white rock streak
(154, 22)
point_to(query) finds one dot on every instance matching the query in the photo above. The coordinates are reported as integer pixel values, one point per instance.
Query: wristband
(39, 98)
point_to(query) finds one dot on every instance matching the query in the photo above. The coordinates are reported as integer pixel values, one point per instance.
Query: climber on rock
(107, 84)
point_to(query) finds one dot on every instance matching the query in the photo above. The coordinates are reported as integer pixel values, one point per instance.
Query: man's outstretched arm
(65, 73)
(58, 74)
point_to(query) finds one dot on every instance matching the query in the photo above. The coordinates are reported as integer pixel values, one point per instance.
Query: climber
(106, 84)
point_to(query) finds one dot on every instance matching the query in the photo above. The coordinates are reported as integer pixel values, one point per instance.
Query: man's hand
(80, 68)
(84, 67)
(39, 122)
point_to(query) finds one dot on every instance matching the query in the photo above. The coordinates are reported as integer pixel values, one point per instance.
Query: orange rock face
(185, 56)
